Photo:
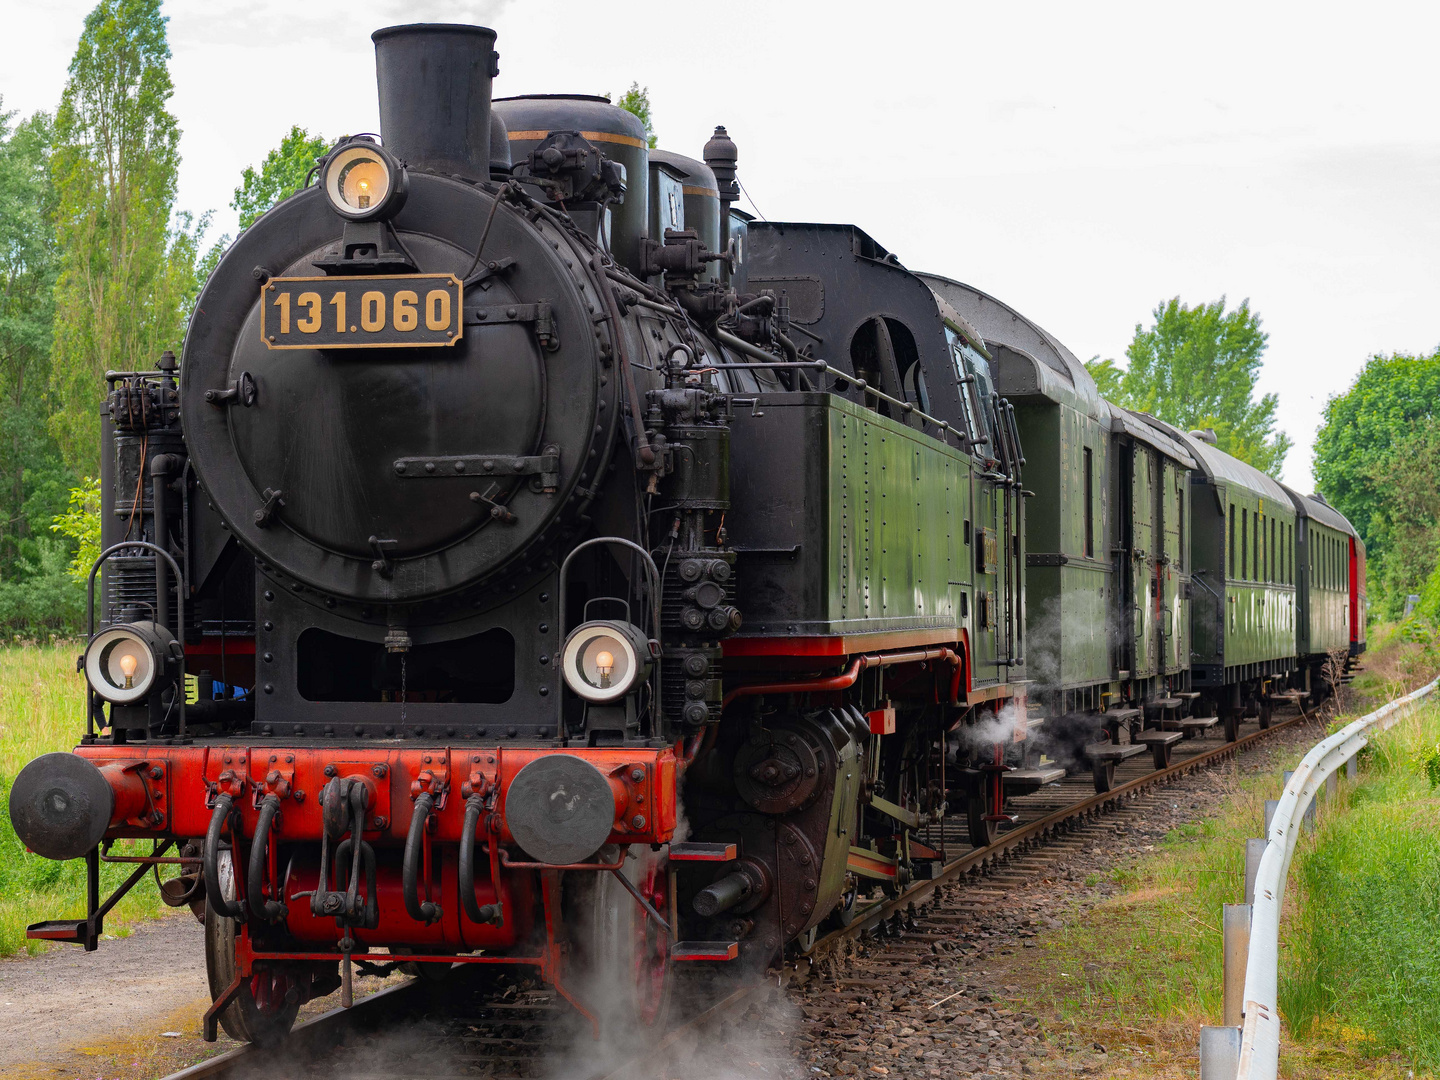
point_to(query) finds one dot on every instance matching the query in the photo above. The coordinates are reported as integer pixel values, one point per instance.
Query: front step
(693, 852)
(694, 951)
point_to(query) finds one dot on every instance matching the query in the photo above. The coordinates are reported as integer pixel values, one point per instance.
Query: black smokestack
(435, 83)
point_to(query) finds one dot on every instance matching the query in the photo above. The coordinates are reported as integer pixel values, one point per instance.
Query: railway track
(508, 1026)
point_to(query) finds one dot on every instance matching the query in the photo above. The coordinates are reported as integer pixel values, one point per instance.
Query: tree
(1196, 368)
(636, 100)
(1393, 399)
(283, 172)
(33, 477)
(127, 275)
(1407, 520)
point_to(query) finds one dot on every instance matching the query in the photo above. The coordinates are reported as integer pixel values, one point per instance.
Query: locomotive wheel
(1232, 725)
(626, 952)
(982, 832)
(264, 1010)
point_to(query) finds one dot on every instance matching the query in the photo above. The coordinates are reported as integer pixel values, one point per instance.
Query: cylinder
(435, 81)
(723, 894)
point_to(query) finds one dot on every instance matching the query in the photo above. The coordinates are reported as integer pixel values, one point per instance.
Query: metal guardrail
(1252, 1050)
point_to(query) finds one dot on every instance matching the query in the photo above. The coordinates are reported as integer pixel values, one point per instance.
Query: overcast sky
(1081, 161)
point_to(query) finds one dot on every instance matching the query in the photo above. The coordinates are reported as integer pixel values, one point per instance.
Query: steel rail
(384, 1007)
(1260, 1033)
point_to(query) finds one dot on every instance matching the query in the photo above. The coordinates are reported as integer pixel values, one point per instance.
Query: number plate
(403, 311)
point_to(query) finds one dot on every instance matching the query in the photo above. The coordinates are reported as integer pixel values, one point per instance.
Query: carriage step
(691, 852)
(1033, 778)
(1150, 738)
(1119, 716)
(1188, 695)
(1164, 703)
(1111, 752)
(1191, 723)
(1292, 697)
(704, 950)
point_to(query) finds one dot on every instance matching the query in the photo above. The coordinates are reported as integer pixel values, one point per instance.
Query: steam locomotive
(536, 560)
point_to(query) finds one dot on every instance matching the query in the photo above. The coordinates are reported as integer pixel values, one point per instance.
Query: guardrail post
(1332, 785)
(1253, 850)
(1352, 769)
(1219, 1053)
(1236, 923)
(1270, 807)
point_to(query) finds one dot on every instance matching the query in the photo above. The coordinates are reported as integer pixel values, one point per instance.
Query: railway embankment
(1134, 970)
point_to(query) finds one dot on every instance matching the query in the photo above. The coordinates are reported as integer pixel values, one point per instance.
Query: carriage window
(1232, 540)
(1245, 543)
(1274, 554)
(1089, 503)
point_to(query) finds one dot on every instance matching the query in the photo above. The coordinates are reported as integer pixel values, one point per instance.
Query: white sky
(1081, 161)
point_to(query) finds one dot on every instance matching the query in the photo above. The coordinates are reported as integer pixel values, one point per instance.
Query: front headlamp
(122, 663)
(363, 181)
(603, 661)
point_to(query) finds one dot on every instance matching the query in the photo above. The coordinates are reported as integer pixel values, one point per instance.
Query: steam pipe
(847, 680)
(269, 910)
(426, 912)
(487, 913)
(161, 467)
(214, 895)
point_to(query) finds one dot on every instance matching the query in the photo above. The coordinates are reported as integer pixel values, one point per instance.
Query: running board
(704, 950)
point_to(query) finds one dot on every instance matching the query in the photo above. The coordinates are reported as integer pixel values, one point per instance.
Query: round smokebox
(560, 809)
(60, 806)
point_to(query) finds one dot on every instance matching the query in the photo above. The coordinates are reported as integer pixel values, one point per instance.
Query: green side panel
(1329, 589)
(847, 522)
(1208, 571)
(1068, 592)
(1259, 622)
(1143, 601)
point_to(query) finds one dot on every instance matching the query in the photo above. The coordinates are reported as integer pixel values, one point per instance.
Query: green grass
(42, 709)
(1360, 938)
(1365, 939)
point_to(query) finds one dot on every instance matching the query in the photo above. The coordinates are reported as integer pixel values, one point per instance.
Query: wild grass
(1360, 939)
(1365, 938)
(42, 709)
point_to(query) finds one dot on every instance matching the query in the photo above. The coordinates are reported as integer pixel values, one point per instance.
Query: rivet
(430, 466)
(269, 688)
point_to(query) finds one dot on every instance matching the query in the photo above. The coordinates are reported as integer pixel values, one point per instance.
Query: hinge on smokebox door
(545, 465)
(538, 313)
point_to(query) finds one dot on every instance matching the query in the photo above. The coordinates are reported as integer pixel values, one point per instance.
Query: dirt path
(129, 1011)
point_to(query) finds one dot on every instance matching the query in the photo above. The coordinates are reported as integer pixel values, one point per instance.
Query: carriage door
(1173, 615)
(988, 585)
(1142, 560)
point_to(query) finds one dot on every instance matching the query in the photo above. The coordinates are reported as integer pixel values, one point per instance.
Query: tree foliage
(1196, 367)
(33, 477)
(281, 174)
(1369, 448)
(1408, 518)
(636, 100)
(127, 274)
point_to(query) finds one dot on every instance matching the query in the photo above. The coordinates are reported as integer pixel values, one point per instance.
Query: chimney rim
(433, 27)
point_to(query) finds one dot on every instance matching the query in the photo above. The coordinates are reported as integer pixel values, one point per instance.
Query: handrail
(1260, 1034)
